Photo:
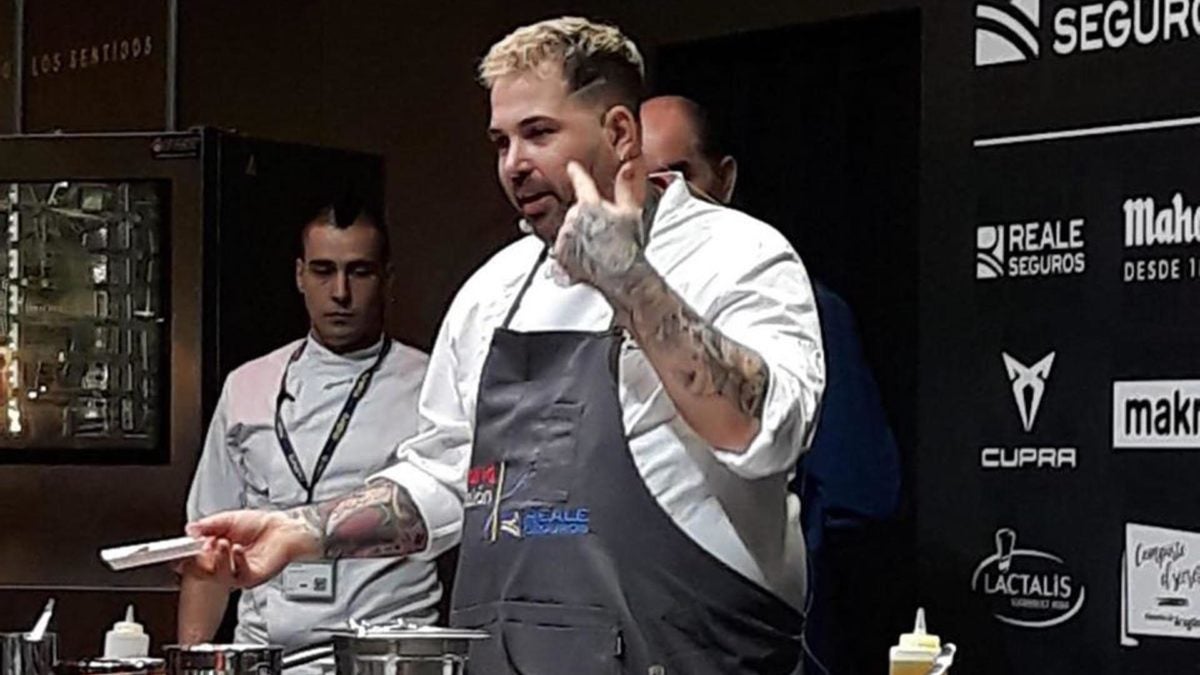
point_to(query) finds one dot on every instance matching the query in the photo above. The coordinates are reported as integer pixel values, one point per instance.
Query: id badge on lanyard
(340, 426)
(311, 581)
(317, 581)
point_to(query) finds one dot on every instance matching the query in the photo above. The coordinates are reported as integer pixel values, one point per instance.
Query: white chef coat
(242, 466)
(737, 272)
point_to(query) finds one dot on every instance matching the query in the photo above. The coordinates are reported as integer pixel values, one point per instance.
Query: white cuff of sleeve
(776, 446)
(438, 506)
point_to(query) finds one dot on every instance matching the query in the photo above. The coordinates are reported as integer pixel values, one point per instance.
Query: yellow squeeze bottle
(916, 651)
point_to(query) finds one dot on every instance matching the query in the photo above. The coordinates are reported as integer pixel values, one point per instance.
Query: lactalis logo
(1028, 384)
(1027, 588)
(1041, 248)
(1156, 414)
(1006, 31)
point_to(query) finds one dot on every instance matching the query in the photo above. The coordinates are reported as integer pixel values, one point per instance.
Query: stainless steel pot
(403, 650)
(209, 659)
(21, 656)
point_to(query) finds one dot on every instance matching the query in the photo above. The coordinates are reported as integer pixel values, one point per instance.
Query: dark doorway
(824, 120)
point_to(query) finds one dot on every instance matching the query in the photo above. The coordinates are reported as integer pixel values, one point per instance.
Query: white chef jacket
(242, 466)
(737, 272)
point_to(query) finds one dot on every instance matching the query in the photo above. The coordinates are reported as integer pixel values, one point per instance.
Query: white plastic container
(127, 639)
(916, 651)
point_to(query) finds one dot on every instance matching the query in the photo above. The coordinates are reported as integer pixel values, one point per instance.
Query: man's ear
(623, 133)
(299, 275)
(727, 178)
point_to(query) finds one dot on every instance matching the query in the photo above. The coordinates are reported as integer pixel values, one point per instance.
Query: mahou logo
(1027, 588)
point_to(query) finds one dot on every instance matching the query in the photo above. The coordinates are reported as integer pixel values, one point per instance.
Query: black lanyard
(339, 426)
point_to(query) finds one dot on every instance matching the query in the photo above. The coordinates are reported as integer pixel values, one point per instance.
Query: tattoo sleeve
(701, 360)
(700, 357)
(377, 520)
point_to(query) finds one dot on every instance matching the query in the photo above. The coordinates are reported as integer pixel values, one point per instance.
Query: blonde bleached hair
(592, 55)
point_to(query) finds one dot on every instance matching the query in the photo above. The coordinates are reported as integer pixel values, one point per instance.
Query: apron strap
(512, 310)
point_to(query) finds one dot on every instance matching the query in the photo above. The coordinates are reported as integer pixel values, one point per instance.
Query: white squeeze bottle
(127, 639)
(915, 653)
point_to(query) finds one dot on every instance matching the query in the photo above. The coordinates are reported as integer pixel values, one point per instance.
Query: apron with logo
(567, 559)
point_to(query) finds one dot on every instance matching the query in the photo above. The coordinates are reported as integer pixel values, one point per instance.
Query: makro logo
(1028, 385)
(1152, 228)
(1031, 249)
(1027, 588)
(1156, 414)
(1006, 31)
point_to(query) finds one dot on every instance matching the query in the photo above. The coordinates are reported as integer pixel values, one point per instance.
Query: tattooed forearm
(704, 361)
(375, 521)
(605, 249)
(717, 385)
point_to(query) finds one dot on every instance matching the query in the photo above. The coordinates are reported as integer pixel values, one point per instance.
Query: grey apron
(567, 559)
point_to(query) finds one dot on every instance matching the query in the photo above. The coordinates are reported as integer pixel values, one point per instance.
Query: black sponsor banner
(1070, 63)
(1077, 402)
(1099, 235)
(89, 68)
(1034, 546)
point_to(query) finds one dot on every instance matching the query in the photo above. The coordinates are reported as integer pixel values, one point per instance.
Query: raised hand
(600, 241)
(717, 385)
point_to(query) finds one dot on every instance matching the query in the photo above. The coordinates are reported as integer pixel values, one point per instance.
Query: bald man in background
(678, 137)
(851, 476)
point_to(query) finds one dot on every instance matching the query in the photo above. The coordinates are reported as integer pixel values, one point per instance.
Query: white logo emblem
(510, 524)
(989, 252)
(1028, 385)
(1156, 414)
(1026, 249)
(1168, 229)
(1006, 31)
(1026, 587)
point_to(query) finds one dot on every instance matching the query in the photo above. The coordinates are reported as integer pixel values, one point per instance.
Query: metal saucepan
(206, 659)
(20, 654)
(401, 649)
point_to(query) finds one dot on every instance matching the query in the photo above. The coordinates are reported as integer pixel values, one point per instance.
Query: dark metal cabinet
(141, 269)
